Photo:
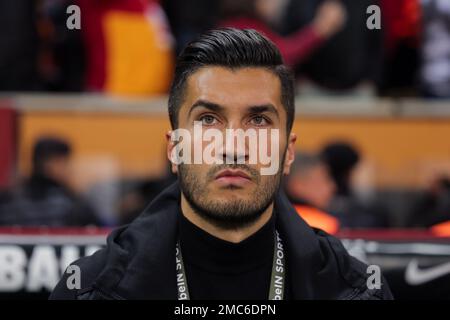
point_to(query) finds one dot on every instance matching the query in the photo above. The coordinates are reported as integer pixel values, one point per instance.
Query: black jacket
(139, 260)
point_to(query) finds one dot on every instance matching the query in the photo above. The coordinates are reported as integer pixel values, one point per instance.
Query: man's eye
(208, 120)
(259, 121)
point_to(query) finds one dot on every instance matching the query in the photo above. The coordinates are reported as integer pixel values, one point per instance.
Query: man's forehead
(241, 87)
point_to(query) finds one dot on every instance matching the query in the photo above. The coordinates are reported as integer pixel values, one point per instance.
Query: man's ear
(290, 154)
(170, 146)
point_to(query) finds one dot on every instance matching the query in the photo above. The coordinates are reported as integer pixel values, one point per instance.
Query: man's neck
(233, 235)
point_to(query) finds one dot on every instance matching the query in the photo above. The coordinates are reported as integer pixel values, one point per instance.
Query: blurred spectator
(434, 206)
(351, 60)
(310, 188)
(401, 19)
(442, 229)
(401, 24)
(45, 199)
(435, 73)
(61, 61)
(351, 211)
(128, 46)
(38, 52)
(341, 158)
(298, 45)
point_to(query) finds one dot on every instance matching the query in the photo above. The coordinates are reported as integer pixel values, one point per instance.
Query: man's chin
(231, 194)
(230, 188)
(231, 199)
(229, 215)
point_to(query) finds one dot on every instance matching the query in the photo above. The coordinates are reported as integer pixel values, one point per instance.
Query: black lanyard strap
(277, 282)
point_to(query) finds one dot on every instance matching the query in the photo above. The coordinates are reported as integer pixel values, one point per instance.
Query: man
(310, 188)
(224, 231)
(45, 199)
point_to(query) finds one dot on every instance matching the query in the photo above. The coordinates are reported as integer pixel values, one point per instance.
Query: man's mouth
(232, 177)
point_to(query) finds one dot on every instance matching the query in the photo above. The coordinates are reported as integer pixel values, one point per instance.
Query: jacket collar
(141, 256)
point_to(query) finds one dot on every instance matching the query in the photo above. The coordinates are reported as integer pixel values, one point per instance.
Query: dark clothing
(63, 49)
(218, 269)
(139, 260)
(18, 45)
(44, 202)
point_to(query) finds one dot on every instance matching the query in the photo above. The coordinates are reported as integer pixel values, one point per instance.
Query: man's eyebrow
(207, 105)
(264, 108)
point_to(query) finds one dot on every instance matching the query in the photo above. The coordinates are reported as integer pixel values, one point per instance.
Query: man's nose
(235, 149)
(234, 157)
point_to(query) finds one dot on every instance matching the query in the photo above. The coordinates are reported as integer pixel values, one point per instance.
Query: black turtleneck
(218, 269)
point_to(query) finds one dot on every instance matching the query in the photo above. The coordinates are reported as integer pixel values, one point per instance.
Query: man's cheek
(200, 171)
(269, 152)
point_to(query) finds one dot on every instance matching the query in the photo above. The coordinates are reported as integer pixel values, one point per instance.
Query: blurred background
(83, 113)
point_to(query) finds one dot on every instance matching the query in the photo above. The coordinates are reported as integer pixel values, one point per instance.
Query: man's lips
(230, 177)
(229, 173)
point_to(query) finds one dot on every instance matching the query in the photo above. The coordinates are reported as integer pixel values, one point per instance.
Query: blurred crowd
(323, 189)
(128, 47)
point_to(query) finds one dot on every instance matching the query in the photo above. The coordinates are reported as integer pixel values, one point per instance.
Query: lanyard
(276, 291)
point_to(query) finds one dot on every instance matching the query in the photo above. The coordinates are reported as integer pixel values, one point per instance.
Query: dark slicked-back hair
(234, 49)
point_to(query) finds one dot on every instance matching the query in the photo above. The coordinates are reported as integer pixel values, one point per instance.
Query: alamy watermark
(374, 280)
(236, 146)
(374, 20)
(74, 279)
(73, 22)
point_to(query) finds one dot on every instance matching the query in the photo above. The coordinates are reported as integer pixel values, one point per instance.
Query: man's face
(232, 195)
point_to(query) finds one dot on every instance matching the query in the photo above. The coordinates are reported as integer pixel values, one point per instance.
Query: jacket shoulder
(353, 271)
(88, 269)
